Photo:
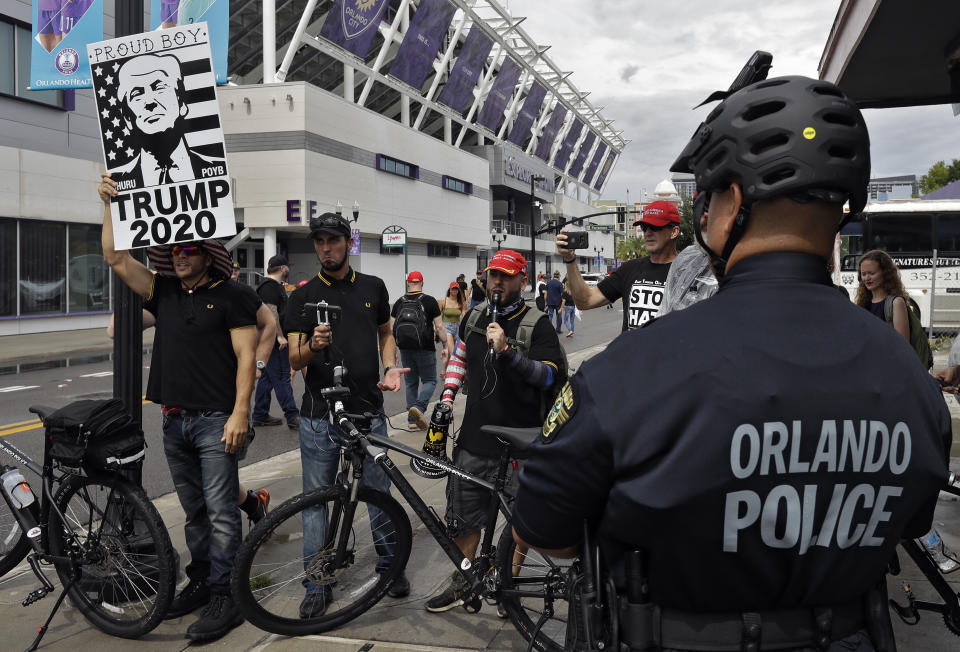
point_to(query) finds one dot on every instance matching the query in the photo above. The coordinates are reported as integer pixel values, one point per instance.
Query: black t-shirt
(640, 284)
(272, 291)
(784, 443)
(430, 308)
(497, 395)
(567, 299)
(554, 292)
(193, 365)
(365, 307)
(463, 288)
(477, 293)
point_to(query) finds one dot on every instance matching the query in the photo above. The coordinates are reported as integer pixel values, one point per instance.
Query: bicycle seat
(517, 440)
(42, 411)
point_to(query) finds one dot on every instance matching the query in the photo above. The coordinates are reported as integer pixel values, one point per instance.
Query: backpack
(523, 341)
(918, 338)
(411, 328)
(95, 435)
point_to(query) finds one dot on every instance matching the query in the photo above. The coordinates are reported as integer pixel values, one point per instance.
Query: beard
(334, 266)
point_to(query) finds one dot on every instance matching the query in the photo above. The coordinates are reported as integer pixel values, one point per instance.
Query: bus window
(901, 233)
(948, 233)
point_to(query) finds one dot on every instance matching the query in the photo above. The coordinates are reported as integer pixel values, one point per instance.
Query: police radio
(436, 443)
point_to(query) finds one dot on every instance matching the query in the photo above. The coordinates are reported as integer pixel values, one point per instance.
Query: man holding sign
(206, 335)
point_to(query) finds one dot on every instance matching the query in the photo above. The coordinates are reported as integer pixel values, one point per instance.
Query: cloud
(649, 63)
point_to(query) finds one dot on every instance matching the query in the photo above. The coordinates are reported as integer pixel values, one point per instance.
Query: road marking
(19, 423)
(99, 374)
(17, 388)
(24, 426)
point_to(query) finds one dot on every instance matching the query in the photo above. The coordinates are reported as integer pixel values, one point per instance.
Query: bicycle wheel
(14, 544)
(529, 583)
(123, 560)
(272, 574)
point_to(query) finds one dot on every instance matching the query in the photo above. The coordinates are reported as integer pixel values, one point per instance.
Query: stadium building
(490, 136)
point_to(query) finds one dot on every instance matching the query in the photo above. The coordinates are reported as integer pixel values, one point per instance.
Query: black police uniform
(767, 448)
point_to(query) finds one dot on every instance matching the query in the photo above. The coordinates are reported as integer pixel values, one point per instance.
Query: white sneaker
(417, 416)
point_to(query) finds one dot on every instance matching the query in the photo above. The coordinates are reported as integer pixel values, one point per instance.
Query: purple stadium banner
(503, 88)
(581, 159)
(520, 133)
(549, 134)
(602, 177)
(595, 163)
(563, 156)
(422, 42)
(458, 90)
(353, 25)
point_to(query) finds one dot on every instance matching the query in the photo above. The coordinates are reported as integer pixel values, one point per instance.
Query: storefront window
(8, 267)
(88, 272)
(42, 267)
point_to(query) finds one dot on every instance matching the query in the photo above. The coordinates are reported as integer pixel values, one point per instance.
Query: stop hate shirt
(640, 284)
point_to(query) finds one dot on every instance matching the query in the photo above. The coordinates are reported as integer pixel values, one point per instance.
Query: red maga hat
(414, 277)
(509, 262)
(659, 213)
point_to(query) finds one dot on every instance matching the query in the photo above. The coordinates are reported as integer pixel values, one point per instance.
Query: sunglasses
(650, 227)
(186, 250)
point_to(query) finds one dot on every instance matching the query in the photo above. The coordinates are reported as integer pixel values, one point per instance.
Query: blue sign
(352, 24)
(466, 71)
(520, 133)
(422, 42)
(597, 157)
(563, 156)
(581, 159)
(61, 31)
(355, 243)
(602, 177)
(216, 13)
(503, 87)
(549, 134)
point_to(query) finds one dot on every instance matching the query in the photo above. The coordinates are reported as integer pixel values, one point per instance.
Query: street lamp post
(533, 233)
(598, 251)
(499, 236)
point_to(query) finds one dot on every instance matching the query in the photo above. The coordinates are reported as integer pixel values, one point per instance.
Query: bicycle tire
(534, 573)
(126, 563)
(268, 578)
(14, 544)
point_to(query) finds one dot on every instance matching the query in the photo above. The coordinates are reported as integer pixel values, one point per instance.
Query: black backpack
(95, 435)
(411, 329)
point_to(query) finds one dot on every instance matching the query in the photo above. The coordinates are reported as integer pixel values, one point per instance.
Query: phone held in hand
(578, 240)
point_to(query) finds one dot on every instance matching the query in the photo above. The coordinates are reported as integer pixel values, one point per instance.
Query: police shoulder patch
(562, 411)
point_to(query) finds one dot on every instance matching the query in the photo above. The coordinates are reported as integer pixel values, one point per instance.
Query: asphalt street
(90, 376)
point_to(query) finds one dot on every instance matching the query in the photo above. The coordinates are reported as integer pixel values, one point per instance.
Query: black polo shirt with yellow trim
(365, 307)
(498, 396)
(193, 364)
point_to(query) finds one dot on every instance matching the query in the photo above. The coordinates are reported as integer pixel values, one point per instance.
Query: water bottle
(941, 555)
(17, 488)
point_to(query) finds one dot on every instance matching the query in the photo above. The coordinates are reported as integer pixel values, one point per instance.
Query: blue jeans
(569, 315)
(474, 303)
(320, 457)
(275, 376)
(553, 312)
(423, 369)
(206, 480)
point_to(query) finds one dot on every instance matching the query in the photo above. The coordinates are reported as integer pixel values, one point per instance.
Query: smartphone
(327, 314)
(578, 240)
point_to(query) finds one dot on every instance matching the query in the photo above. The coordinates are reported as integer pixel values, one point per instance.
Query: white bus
(911, 231)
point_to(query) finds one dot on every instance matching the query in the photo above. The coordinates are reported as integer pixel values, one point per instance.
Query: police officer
(774, 459)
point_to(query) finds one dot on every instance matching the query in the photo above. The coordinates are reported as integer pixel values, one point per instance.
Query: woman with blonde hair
(452, 308)
(880, 278)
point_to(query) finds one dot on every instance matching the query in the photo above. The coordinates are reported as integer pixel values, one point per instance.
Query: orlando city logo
(361, 15)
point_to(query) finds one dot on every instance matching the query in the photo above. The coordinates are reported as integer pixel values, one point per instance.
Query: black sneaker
(294, 423)
(451, 597)
(269, 421)
(193, 596)
(315, 605)
(263, 506)
(400, 587)
(218, 618)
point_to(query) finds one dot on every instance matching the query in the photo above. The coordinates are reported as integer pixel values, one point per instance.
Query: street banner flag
(61, 31)
(216, 13)
(581, 159)
(549, 135)
(573, 135)
(520, 133)
(595, 163)
(463, 79)
(162, 140)
(422, 42)
(503, 89)
(352, 24)
(601, 179)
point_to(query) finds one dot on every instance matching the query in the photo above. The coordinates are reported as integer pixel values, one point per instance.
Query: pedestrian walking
(452, 309)
(554, 299)
(275, 372)
(569, 308)
(478, 290)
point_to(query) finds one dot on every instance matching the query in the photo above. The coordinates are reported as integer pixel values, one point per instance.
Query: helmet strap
(719, 262)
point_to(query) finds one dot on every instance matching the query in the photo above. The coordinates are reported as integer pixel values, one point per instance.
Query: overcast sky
(649, 62)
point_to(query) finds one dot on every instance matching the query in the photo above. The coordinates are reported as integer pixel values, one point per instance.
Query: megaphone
(435, 444)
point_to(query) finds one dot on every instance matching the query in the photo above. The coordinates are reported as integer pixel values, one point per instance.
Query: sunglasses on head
(186, 250)
(650, 227)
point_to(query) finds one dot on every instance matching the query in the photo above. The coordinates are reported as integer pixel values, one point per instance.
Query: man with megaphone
(513, 361)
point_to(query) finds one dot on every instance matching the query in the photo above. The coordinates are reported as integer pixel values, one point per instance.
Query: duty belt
(650, 627)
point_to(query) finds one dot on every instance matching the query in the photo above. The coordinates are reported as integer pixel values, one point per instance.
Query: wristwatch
(261, 365)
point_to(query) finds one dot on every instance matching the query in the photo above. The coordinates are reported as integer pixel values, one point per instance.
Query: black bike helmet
(783, 137)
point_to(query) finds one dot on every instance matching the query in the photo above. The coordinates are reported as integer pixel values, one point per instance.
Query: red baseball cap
(454, 284)
(509, 262)
(414, 277)
(659, 213)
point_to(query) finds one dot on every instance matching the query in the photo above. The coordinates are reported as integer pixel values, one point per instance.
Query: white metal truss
(509, 39)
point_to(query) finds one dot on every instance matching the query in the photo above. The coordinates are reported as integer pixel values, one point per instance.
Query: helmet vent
(839, 151)
(769, 143)
(781, 174)
(760, 110)
(770, 83)
(827, 90)
(840, 119)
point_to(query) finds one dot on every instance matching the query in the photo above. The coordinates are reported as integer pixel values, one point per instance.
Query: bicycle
(950, 607)
(366, 550)
(103, 536)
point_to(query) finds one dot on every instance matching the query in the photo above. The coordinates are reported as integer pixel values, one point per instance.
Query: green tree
(686, 237)
(939, 175)
(630, 248)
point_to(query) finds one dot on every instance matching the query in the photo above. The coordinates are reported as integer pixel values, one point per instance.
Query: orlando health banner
(563, 156)
(503, 87)
(549, 134)
(216, 13)
(465, 75)
(581, 159)
(61, 31)
(352, 24)
(520, 133)
(422, 42)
